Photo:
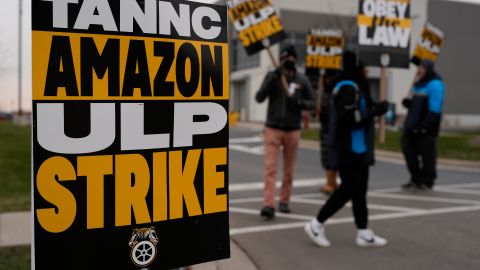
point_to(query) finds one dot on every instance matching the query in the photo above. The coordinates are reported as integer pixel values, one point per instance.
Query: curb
(386, 156)
(397, 158)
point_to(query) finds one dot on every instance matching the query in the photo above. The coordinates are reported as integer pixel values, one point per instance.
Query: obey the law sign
(130, 134)
(384, 30)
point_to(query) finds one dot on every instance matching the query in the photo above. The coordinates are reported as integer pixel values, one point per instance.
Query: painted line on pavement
(255, 139)
(370, 206)
(458, 191)
(259, 185)
(318, 203)
(295, 225)
(256, 150)
(437, 187)
(422, 198)
(248, 211)
(413, 197)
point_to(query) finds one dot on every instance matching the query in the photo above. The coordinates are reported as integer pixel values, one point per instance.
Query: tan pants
(274, 139)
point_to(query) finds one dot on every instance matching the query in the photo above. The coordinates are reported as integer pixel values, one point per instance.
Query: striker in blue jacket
(422, 125)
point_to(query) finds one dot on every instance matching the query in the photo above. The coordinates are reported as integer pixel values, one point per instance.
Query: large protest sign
(257, 24)
(324, 50)
(130, 134)
(384, 29)
(429, 45)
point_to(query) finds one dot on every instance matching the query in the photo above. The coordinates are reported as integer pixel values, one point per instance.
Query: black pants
(420, 152)
(354, 187)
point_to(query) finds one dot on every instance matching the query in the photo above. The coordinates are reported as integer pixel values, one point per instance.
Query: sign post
(385, 61)
(429, 45)
(258, 26)
(384, 30)
(130, 134)
(324, 51)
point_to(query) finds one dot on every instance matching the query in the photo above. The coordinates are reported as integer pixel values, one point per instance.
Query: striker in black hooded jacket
(345, 119)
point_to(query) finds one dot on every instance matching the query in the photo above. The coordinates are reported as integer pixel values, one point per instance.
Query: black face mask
(289, 65)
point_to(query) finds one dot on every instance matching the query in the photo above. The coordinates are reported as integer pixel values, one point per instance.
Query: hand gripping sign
(324, 50)
(257, 24)
(429, 45)
(384, 29)
(130, 134)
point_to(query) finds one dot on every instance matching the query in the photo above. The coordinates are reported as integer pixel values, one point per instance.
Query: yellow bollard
(233, 118)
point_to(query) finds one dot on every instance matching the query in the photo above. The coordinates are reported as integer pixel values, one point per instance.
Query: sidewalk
(15, 230)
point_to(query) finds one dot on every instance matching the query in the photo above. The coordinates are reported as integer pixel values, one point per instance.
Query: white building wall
(254, 77)
(399, 80)
(340, 7)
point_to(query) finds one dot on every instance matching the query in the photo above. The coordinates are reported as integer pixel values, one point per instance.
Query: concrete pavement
(15, 229)
(426, 230)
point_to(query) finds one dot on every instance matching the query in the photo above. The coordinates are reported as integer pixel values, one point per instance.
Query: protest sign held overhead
(257, 24)
(324, 50)
(130, 141)
(384, 30)
(429, 45)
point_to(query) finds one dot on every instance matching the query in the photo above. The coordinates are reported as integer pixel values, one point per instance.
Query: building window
(299, 40)
(240, 59)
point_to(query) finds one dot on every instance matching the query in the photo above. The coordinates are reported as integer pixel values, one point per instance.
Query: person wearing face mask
(351, 136)
(288, 93)
(327, 83)
(421, 128)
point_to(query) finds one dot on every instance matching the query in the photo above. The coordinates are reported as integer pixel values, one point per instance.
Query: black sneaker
(408, 185)
(267, 212)
(284, 208)
(419, 188)
(428, 186)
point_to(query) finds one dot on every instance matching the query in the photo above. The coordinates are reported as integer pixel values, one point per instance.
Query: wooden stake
(275, 64)
(383, 95)
(319, 95)
(272, 58)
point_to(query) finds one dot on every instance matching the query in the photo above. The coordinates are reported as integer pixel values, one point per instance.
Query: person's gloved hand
(407, 102)
(419, 131)
(381, 107)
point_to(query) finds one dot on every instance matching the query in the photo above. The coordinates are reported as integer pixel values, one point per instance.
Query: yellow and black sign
(256, 22)
(384, 30)
(429, 45)
(130, 134)
(324, 50)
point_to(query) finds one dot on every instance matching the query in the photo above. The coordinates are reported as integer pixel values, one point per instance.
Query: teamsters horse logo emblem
(144, 246)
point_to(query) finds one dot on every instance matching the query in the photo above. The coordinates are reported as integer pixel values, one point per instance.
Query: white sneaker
(366, 238)
(316, 232)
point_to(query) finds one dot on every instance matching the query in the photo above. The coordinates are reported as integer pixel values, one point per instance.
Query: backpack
(358, 141)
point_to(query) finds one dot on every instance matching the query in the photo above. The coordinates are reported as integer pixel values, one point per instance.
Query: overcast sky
(9, 54)
(9, 41)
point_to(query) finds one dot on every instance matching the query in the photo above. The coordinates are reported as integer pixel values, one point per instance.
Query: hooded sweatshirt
(425, 110)
(352, 133)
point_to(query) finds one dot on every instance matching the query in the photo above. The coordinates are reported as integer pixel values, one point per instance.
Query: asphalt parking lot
(426, 230)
